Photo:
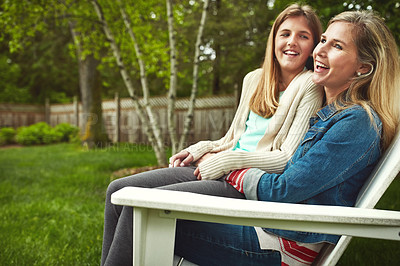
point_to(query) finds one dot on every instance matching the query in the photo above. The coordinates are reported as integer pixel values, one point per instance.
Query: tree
(155, 53)
(36, 47)
(89, 78)
(145, 112)
(173, 77)
(196, 61)
(24, 22)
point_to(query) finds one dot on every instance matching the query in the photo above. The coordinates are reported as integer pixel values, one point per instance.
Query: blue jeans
(117, 237)
(221, 244)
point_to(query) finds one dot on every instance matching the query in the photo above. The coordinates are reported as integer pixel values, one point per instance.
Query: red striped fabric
(298, 253)
(235, 178)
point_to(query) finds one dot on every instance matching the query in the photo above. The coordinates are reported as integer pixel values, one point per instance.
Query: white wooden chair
(156, 211)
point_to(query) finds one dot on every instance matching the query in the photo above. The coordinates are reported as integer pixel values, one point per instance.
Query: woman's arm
(347, 148)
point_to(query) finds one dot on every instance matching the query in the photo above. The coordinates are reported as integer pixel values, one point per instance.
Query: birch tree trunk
(189, 115)
(158, 146)
(143, 78)
(173, 79)
(216, 84)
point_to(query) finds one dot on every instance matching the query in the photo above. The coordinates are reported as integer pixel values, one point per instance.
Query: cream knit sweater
(301, 99)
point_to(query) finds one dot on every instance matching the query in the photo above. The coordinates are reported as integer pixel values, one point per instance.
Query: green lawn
(52, 200)
(363, 251)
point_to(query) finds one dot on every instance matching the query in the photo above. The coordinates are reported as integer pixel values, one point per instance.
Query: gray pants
(117, 237)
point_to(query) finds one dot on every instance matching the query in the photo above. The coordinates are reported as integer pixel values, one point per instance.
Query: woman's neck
(331, 94)
(329, 97)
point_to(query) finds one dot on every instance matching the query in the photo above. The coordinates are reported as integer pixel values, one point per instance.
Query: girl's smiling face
(293, 45)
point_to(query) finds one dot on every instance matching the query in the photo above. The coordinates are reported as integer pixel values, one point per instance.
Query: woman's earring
(358, 73)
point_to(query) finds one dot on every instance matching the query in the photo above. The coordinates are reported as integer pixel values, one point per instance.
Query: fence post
(47, 111)
(76, 111)
(117, 117)
(237, 94)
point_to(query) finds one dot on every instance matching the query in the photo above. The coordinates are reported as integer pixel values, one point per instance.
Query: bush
(7, 135)
(67, 131)
(26, 136)
(39, 133)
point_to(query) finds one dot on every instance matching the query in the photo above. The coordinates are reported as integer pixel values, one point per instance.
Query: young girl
(272, 117)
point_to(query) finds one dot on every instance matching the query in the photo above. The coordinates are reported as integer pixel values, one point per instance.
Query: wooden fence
(17, 115)
(212, 117)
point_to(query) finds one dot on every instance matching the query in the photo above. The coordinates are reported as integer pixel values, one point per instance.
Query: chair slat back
(384, 173)
(382, 176)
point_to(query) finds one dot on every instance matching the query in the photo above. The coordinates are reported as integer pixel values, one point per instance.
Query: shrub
(67, 131)
(27, 136)
(51, 136)
(39, 133)
(7, 135)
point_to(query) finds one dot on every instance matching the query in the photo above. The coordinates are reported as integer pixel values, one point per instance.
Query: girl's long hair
(265, 99)
(379, 88)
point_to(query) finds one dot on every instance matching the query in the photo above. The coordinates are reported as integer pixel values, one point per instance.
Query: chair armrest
(311, 218)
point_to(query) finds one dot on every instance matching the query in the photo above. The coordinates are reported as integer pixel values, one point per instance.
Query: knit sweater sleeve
(237, 126)
(273, 159)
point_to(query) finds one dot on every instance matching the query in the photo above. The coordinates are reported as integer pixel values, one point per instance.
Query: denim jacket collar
(327, 112)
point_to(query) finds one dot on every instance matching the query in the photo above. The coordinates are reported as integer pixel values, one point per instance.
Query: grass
(52, 200)
(371, 252)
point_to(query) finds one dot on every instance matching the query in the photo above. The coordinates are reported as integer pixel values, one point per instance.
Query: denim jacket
(329, 167)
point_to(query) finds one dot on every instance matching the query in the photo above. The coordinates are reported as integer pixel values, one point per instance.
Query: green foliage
(388, 9)
(38, 58)
(148, 23)
(39, 133)
(236, 35)
(42, 133)
(7, 135)
(10, 89)
(67, 132)
(33, 40)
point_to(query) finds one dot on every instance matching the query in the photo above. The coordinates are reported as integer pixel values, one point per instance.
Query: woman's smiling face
(335, 58)
(293, 44)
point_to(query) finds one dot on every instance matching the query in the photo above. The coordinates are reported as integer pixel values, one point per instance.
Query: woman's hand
(182, 158)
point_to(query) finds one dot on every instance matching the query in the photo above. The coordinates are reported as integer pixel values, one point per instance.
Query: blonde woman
(357, 63)
(272, 117)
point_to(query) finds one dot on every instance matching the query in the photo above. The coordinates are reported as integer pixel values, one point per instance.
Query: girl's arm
(272, 161)
(237, 126)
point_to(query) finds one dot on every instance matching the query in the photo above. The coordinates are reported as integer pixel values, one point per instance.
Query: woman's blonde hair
(378, 88)
(265, 99)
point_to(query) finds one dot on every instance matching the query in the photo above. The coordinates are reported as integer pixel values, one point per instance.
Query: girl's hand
(197, 173)
(203, 158)
(182, 158)
(206, 156)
